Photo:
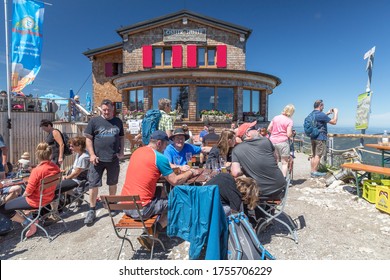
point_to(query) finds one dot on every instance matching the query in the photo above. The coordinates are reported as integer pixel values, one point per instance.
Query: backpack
(310, 126)
(5, 225)
(65, 138)
(150, 124)
(243, 243)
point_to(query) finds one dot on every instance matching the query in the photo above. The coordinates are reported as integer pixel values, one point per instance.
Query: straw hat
(26, 155)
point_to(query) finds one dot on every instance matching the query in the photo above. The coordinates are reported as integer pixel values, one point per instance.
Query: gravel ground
(332, 225)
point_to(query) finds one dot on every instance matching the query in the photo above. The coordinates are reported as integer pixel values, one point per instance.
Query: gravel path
(332, 225)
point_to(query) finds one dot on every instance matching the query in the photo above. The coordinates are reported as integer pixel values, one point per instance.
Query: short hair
(211, 129)
(43, 151)
(318, 103)
(106, 102)
(288, 110)
(163, 102)
(78, 141)
(46, 122)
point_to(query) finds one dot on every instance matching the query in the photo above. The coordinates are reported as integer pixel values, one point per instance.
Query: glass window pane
(211, 57)
(167, 57)
(205, 99)
(225, 100)
(246, 100)
(180, 98)
(158, 93)
(256, 101)
(140, 98)
(157, 56)
(132, 100)
(201, 53)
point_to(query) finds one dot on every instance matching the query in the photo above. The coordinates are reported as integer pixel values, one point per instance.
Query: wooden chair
(131, 227)
(44, 211)
(272, 209)
(210, 143)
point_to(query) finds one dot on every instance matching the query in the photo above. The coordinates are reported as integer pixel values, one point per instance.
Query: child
(24, 163)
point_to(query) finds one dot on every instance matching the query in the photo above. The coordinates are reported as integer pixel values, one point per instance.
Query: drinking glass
(189, 159)
(177, 160)
(222, 161)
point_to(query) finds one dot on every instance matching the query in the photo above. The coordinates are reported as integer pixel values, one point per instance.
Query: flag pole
(9, 125)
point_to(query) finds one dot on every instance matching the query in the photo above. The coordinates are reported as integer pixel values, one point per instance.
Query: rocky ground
(333, 224)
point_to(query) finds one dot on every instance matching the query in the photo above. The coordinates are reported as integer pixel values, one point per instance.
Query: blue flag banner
(26, 42)
(88, 100)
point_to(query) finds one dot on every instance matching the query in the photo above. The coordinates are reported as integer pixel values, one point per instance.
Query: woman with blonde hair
(224, 147)
(30, 198)
(280, 129)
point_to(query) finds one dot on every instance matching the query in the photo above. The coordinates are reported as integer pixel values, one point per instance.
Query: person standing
(105, 145)
(281, 130)
(318, 144)
(3, 155)
(55, 140)
(166, 122)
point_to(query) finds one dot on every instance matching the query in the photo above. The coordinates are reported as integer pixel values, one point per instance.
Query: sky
(315, 47)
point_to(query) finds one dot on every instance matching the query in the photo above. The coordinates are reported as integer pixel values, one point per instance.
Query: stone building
(196, 61)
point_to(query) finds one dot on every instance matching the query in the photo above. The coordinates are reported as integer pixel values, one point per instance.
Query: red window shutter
(177, 56)
(147, 56)
(191, 56)
(109, 69)
(221, 56)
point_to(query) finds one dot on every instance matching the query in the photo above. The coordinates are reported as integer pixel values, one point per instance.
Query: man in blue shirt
(176, 152)
(318, 144)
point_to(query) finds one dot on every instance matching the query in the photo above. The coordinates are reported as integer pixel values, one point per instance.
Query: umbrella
(88, 101)
(71, 94)
(58, 99)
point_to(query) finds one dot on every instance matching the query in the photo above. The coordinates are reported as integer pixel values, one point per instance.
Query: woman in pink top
(281, 130)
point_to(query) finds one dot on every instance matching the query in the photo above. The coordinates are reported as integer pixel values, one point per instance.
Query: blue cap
(159, 135)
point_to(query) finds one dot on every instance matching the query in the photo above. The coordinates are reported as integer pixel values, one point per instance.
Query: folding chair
(44, 211)
(76, 197)
(149, 226)
(272, 209)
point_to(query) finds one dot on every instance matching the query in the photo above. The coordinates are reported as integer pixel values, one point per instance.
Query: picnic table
(385, 151)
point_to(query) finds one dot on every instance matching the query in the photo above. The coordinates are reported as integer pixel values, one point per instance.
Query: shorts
(282, 150)
(157, 206)
(95, 173)
(318, 147)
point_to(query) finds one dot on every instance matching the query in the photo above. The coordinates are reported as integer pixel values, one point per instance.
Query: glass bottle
(385, 139)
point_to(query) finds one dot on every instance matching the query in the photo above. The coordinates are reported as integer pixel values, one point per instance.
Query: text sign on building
(184, 35)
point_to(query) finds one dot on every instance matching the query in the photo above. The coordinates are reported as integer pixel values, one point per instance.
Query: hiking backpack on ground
(150, 124)
(310, 126)
(243, 243)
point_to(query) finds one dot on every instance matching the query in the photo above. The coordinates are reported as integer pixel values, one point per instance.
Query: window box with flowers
(134, 115)
(251, 116)
(215, 116)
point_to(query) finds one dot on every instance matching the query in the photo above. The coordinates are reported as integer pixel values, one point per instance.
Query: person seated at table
(146, 166)
(30, 198)
(224, 148)
(176, 152)
(211, 136)
(187, 131)
(254, 158)
(204, 132)
(233, 192)
(9, 193)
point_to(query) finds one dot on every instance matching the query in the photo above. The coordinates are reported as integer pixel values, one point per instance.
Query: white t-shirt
(81, 161)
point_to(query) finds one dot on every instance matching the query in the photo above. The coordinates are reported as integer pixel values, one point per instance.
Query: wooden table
(385, 150)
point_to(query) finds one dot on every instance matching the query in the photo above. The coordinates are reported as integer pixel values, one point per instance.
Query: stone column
(192, 103)
(239, 110)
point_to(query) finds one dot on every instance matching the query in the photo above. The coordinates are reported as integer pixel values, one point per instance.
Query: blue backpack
(150, 124)
(310, 126)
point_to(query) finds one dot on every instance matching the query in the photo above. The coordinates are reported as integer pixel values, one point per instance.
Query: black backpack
(310, 125)
(65, 138)
(243, 243)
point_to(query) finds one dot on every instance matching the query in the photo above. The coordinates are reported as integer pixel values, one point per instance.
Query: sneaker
(145, 242)
(91, 216)
(32, 230)
(317, 174)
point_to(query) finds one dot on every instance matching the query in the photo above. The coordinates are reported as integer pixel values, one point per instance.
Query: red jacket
(44, 169)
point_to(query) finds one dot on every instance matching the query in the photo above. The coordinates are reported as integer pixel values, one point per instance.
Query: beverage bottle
(385, 139)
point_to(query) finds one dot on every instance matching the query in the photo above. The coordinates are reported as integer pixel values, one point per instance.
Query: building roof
(104, 49)
(189, 15)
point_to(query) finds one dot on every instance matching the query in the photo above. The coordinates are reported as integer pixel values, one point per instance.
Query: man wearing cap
(176, 152)
(146, 166)
(254, 157)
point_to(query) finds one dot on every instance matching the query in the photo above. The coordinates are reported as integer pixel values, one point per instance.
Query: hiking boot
(91, 216)
(145, 242)
(317, 174)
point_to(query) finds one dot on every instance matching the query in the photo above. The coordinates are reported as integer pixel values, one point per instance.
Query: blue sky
(315, 47)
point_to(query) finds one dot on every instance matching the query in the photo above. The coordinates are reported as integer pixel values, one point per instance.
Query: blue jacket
(195, 214)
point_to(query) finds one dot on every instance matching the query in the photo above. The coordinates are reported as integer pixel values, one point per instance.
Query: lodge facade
(196, 61)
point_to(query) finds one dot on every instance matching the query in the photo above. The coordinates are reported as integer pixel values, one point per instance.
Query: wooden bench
(367, 169)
